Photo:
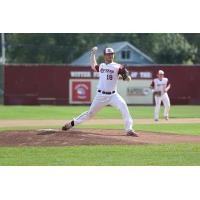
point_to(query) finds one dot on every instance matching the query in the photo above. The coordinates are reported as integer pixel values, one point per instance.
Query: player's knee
(90, 114)
(157, 107)
(122, 105)
(167, 106)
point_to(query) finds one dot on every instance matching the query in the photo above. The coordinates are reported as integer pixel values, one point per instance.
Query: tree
(38, 48)
(194, 39)
(65, 47)
(174, 48)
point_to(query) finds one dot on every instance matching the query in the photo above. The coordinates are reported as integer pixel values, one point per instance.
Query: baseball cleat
(132, 133)
(156, 120)
(67, 126)
(166, 118)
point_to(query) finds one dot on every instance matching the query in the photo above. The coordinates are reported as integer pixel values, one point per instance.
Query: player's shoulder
(113, 64)
(118, 65)
(102, 64)
(165, 79)
(155, 79)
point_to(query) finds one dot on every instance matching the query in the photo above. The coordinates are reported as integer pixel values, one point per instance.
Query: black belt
(103, 92)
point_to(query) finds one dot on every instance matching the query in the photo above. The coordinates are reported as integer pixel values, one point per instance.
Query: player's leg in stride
(166, 103)
(118, 102)
(157, 108)
(97, 104)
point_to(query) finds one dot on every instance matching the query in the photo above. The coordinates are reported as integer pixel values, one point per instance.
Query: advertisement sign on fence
(80, 92)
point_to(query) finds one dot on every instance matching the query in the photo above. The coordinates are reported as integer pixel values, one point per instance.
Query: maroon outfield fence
(32, 84)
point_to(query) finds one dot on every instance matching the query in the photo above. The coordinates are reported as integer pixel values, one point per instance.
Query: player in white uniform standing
(107, 91)
(160, 88)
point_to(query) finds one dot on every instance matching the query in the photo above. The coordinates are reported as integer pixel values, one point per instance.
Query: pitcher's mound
(56, 137)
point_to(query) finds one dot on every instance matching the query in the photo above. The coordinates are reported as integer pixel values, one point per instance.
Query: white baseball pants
(166, 102)
(102, 100)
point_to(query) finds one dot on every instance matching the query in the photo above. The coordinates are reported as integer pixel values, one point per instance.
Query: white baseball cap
(161, 72)
(109, 50)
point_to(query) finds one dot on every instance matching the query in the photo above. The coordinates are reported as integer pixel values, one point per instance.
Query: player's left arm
(168, 86)
(124, 73)
(152, 85)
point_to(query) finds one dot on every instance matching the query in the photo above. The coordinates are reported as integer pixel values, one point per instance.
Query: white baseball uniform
(107, 95)
(160, 85)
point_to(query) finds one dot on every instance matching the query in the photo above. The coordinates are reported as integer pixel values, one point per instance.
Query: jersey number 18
(109, 77)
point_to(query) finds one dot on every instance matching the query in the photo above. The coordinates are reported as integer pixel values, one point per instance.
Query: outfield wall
(33, 84)
(1, 84)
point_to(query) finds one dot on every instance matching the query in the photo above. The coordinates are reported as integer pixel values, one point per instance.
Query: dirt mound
(55, 137)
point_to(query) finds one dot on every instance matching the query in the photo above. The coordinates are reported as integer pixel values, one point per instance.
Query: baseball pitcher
(160, 86)
(107, 94)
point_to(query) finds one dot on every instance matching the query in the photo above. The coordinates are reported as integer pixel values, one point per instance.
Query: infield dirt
(55, 137)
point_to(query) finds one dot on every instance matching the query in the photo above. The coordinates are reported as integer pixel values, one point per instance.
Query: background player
(160, 88)
(107, 91)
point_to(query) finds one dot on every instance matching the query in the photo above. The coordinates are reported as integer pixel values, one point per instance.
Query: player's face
(109, 57)
(160, 76)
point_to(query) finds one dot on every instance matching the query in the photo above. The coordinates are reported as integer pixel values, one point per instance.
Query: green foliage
(174, 48)
(65, 47)
(194, 39)
(100, 59)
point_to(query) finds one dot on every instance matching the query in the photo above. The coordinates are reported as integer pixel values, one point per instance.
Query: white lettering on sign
(138, 91)
(134, 74)
(95, 74)
(141, 75)
(80, 74)
(145, 75)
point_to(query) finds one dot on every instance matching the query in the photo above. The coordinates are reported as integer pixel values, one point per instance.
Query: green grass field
(180, 154)
(173, 154)
(183, 129)
(67, 112)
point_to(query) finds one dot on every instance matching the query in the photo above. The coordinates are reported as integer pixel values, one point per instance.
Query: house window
(126, 55)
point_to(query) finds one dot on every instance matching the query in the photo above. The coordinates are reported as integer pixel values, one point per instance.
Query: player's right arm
(168, 86)
(93, 61)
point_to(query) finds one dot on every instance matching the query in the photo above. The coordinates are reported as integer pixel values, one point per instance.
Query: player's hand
(166, 90)
(94, 50)
(128, 78)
